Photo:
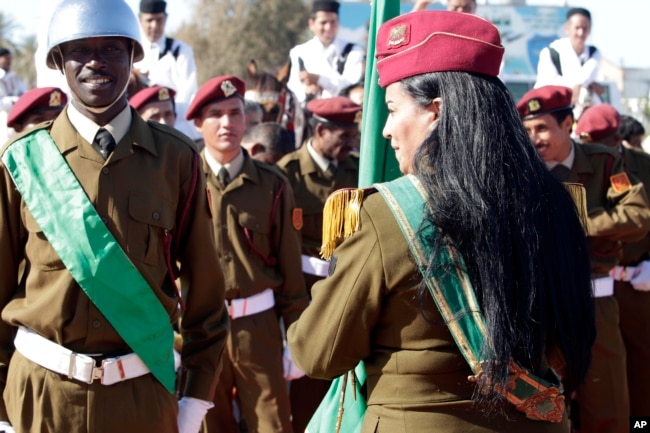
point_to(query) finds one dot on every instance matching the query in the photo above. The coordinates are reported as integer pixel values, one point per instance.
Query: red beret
(214, 89)
(544, 100)
(337, 109)
(434, 41)
(38, 98)
(598, 122)
(151, 94)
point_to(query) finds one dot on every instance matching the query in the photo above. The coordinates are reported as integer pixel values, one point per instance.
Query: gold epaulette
(340, 218)
(579, 195)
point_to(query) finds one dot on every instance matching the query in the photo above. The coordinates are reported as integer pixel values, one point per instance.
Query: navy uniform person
(106, 211)
(601, 124)
(617, 212)
(35, 106)
(259, 250)
(324, 163)
(461, 227)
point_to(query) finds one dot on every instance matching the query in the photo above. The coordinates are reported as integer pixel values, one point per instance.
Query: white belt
(603, 287)
(315, 266)
(77, 366)
(242, 307)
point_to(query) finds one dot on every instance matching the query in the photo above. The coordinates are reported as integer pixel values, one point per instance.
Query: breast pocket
(256, 230)
(150, 217)
(38, 250)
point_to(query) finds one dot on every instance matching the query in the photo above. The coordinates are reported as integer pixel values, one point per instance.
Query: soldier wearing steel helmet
(105, 212)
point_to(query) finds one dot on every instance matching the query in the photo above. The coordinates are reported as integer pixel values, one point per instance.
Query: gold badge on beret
(397, 35)
(585, 136)
(55, 99)
(228, 88)
(163, 94)
(534, 105)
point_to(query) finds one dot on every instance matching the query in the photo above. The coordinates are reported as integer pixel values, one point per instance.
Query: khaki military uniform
(140, 192)
(311, 187)
(416, 375)
(634, 304)
(613, 217)
(258, 249)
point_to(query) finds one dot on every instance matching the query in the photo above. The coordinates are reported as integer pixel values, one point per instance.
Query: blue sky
(619, 28)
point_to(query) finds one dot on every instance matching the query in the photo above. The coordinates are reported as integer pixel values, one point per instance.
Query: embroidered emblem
(399, 35)
(585, 136)
(620, 182)
(534, 105)
(163, 94)
(55, 99)
(228, 88)
(296, 218)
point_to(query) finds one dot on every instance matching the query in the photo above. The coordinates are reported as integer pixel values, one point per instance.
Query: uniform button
(106, 170)
(96, 323)
(155, 216)
(227, 257)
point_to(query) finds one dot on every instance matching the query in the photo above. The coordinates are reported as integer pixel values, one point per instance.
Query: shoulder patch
(620, 182)
(296, 218)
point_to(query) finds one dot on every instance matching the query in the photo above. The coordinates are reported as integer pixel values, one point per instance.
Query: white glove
(6, 427)
(190, 414)
(641, 280)
(623, 273)
(291, 370)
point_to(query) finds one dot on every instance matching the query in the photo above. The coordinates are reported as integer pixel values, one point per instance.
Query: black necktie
(223, 177)
(104, 142)
(561, 172)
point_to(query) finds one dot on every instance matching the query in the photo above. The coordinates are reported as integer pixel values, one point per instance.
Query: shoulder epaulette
(341, 217)
(594, 148)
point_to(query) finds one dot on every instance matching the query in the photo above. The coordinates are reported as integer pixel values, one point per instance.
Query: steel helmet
(79, 19)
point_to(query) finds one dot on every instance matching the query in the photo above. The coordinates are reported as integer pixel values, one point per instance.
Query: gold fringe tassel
(340, 218)
(579, 195)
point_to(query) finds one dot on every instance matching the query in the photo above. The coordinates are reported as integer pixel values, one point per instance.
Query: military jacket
(637, 164)
(614, 216)
(311, 188)
(140, 192)
(258, 246)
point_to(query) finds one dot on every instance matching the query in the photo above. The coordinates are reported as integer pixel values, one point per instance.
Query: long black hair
(514, 225)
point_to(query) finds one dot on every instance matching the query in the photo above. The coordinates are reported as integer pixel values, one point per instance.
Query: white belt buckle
(97, 374)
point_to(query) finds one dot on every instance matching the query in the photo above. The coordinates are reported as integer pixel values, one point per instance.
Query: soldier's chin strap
(100, 110)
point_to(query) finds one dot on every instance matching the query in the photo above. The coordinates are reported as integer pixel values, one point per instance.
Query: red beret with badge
(435, 41)
(151, 94)
(216, 89)
(40, 98)
(337, 109)
(544, 100)
(598, 122)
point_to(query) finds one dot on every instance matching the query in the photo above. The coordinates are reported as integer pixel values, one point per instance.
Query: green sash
(93, 257)
(455, 298)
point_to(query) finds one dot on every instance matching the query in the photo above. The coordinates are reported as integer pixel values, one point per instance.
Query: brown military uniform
(257, 249)
(416, 375)
(613, 217)
(634, 304)
(140, 192)
(311, 187)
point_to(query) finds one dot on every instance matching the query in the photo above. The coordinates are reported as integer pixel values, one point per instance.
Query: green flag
(377, 162)
(350, 413)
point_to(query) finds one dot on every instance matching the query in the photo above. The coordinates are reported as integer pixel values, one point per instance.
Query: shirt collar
(118, 126)
(567, 162)
(234, 166)
(320, 160)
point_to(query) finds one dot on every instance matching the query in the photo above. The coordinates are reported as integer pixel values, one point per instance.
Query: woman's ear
(436, 106)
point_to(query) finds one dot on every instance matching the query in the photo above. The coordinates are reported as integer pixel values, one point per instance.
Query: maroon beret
(222, 87)
(337, 109)
(151, 94)
(434, 41)
(598, 122)
(38, 98)
(544, 100)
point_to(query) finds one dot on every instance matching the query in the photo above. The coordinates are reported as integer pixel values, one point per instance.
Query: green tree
(22, 51)
(226, 34)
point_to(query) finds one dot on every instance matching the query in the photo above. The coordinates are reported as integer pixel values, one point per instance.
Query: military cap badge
(228, 88)
(163, 94)
(534, 105)
(55, 99)
(398, 36)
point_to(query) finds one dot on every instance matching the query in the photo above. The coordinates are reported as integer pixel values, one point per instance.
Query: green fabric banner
(377, 160)
(89, 251)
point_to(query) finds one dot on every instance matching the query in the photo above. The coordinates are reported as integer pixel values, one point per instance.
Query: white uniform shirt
(322, 60)
(176, 72)
(576, 69)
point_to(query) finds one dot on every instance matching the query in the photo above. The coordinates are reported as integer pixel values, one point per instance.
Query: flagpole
(377, 160)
